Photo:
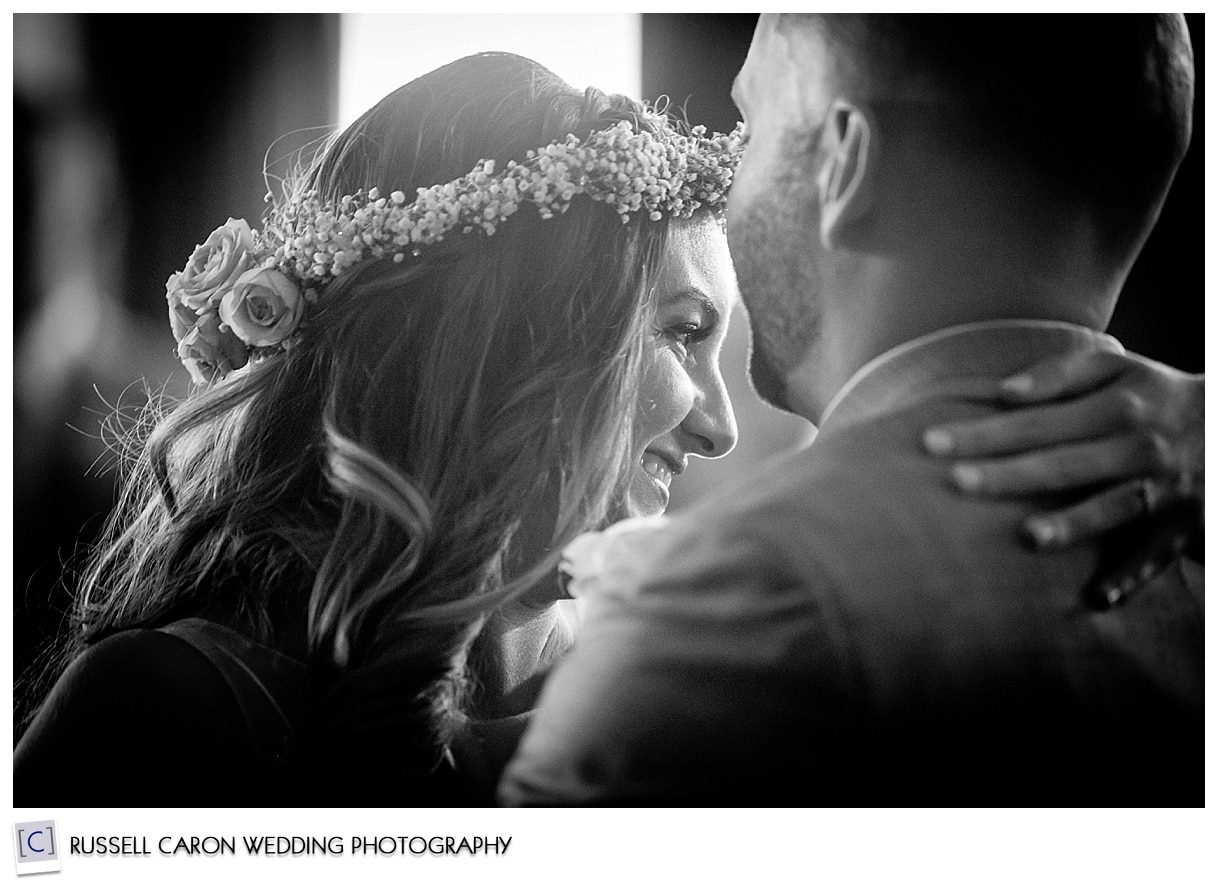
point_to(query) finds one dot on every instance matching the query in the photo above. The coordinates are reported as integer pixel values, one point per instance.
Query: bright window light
(381, 52)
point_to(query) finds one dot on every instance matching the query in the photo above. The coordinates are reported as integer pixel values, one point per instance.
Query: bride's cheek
(665, 397)
(678, 395)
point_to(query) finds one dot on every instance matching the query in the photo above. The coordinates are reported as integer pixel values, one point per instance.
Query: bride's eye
(684, 334)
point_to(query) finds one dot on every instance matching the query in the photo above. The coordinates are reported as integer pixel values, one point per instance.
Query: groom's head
(906, 173)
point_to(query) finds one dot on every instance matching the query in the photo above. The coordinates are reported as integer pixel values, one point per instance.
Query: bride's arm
(1131, 428)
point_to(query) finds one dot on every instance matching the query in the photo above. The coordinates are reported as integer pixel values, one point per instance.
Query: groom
(927, 204)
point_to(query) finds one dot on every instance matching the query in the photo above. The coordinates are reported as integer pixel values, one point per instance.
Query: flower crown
(244, 293)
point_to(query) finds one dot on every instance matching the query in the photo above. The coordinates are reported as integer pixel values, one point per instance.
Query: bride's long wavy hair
(366, 487)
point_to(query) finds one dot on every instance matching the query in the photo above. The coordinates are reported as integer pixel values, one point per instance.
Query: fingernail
(967, 477)
(1042, 532)
(1021, 384)
(938, 441)
(1115, 590)
(1113, 593)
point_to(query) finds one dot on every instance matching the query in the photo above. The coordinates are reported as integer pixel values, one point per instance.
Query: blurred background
(135, 136)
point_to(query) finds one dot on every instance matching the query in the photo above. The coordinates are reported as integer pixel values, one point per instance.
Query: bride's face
(684, 407)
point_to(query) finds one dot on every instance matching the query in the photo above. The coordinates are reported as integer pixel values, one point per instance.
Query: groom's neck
(896, 301)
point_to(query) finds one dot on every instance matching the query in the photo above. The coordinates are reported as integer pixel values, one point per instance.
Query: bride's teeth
(656, 468)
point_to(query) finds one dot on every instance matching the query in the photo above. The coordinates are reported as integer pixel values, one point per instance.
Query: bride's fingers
(1065, 375)
(1093, 517)
(1069, 466)
(1078, 419)
(1175, 515)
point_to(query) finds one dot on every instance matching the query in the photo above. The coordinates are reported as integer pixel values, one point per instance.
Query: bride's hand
(1127, 426)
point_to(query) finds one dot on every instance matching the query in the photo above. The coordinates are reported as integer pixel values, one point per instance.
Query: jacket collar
(965, 360)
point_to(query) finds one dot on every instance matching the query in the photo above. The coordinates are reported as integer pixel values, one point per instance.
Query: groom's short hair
(1099, 105)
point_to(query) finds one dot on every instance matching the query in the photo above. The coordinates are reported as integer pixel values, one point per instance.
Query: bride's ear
(846, 184)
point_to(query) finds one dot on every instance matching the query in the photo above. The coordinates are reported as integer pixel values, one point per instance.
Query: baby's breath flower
(306, 242)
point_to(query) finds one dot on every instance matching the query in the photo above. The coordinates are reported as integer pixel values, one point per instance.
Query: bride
(485, 319)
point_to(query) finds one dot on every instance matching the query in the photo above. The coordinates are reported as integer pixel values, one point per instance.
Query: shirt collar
(990, 350)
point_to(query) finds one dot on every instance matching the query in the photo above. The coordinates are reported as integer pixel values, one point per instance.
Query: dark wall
(192, 139)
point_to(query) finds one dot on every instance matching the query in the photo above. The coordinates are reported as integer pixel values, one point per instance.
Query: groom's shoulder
(827, 488)
(862, 507)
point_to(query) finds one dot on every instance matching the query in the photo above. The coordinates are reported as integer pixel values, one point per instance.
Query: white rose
(208, 351)
(263, 307)
(181, 319)
(213, 266)
(616, 559)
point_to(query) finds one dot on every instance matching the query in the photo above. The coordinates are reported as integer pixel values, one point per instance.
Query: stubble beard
(779, 287)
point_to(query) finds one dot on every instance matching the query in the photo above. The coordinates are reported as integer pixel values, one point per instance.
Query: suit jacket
(847, 628)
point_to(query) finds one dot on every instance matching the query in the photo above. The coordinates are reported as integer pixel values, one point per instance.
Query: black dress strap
(270, 689)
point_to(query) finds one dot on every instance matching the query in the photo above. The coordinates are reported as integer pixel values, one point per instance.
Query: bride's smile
(661, 467)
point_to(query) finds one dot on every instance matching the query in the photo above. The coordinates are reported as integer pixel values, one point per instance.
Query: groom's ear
(847, 181)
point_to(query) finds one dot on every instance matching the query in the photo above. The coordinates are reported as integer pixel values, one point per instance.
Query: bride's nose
(710, 424)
